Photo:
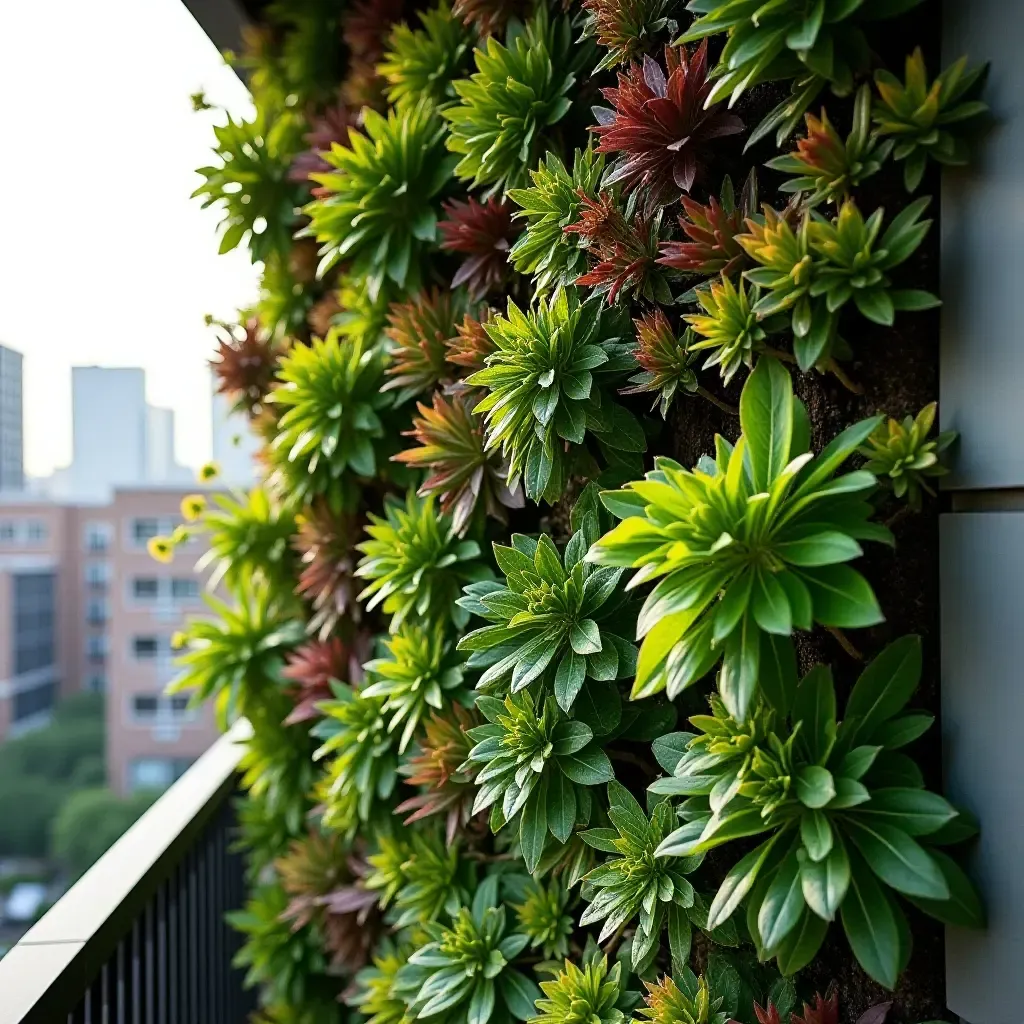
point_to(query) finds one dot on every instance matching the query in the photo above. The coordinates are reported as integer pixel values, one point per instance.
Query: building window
(145, 648)
(34, 600)
(96, 683)
(145, 705)
(97, 575)
(8, 531)
(145, 588)
(150, 706)
(36, 530)
(98, 537)
(35, 701)
(184, 589)
(96, 611)
(96, 646)
(155, 772)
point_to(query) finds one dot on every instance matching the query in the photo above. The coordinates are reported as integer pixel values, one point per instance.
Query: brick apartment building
(83, 606)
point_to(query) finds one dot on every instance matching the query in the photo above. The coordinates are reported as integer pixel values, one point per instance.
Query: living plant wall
(584, 613)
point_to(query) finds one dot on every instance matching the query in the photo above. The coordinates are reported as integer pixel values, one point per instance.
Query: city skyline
(130, 132)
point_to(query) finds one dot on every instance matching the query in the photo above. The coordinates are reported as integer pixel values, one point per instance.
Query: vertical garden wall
(586, 613)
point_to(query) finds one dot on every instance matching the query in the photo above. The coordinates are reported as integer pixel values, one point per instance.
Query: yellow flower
(161, 548)
(209, 471)
(192, 507)
(179, 640)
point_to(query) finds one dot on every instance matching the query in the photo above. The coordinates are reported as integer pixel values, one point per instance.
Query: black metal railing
(141, 937)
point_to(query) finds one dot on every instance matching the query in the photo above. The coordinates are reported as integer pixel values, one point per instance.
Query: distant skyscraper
(234, 444)
(161, 465)
(108, 412)
(12, 470)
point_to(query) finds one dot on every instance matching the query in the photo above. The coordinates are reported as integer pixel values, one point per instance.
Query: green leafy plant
(250, 185)
(416, 563)
(466, 970)
(421, 671)
(235, 658)
(363, 765)
(746, 547)
(379, 202)
(420, 64)
(549, 205)
(848, 820)
(537, 767)
(816, 44)
(550, 621)
(689, 1002)
(330, 430)
(634, 883)
(507, 107)
(374, 994)
(817, 269)
(625, 28)
(927, 120)
(826, 166)
(592, 994)
(901, 455)
(666, 362)
(466, 477)
(541, 914)
(543, 397)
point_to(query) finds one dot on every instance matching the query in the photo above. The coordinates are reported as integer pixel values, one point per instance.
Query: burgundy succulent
(658, 124)
(311, 668)
(484, 232)
(470, 346)
(326, 544)
(245, 367)
(489, 17)
(712, 247)
(623, 249)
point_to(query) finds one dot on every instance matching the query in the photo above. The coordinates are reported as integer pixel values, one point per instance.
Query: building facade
(12, 467)
(84, 606)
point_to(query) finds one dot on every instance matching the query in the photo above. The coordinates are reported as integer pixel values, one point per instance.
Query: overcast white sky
(104, 259)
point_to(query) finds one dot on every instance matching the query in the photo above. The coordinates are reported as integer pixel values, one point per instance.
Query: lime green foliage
(543, 386)
(729, 328)
(746, 547)
(416, 563)
(551, 203)
(688, 1002)
(552, 620)
(816, 269)
(826, 166)
(636, 884)
(541, 914)
(249, 535)
(282, 960)
(537, 765)
(902, 456)
(582, 996)
(848, 821)
(421, 63)
(502, 120)
(330, 432)
(927, 120)
(815, 43)
(374, 995)
(466, 970)
(235, 658)
(418, 877)
(421, 671)
(250, 184)
(363, 765)
(380, 210)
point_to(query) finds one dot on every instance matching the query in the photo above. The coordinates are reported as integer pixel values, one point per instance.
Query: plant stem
(852, 386)
(902, 512)
(845, 643)
(784, 357)
(717, 402)
(612, 944)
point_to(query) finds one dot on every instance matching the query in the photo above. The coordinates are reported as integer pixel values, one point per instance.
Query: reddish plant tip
(485, 233)
(658, 124)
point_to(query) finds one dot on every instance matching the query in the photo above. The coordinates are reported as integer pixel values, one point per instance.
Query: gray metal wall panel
(982, 594)
(982, 344)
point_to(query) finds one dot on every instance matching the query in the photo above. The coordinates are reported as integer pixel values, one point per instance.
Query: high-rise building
(108, 415)
(234, 444)
(12, 470)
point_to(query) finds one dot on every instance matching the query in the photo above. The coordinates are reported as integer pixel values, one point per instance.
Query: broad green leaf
(534, 826)
(871, 928)
(738, 882)
(572, 670)
(782, 904)
(766, 419)
(825, 882)
(561, 806)
(815, 706)
(916, 811)
(598, 705)
(815, 786)
(520, 994)
(589, 767)
(801, 945)
(778, 672)
(815, 834)
(885, 686)
(898, 860)
(964, 907)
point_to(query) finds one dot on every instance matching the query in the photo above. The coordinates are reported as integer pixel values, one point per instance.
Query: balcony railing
(141, 937)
